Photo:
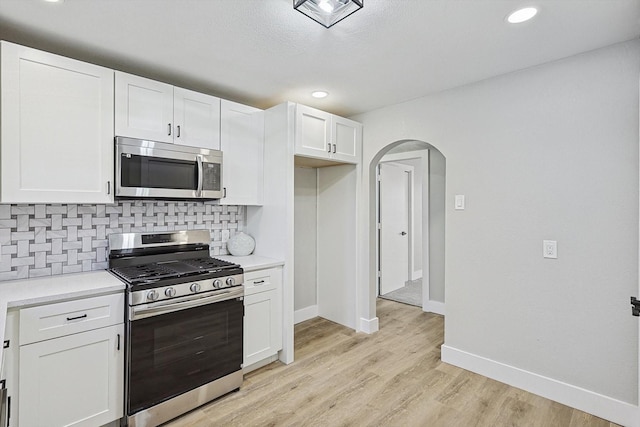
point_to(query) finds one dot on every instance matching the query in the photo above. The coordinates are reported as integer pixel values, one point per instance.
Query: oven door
(154, 169)
(179, 347)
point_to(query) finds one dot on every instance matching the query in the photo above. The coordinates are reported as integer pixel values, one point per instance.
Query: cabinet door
(347, 137)
(9, 370)
(242, 143)
(197, 119)
(143, 108)
(313, 132)
(262, 326)
(57, 128)
(76, 380)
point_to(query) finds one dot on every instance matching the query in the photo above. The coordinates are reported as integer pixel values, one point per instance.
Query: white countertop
(42, 290)
(251, 262)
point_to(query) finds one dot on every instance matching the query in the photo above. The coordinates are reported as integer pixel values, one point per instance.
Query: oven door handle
(155, 309)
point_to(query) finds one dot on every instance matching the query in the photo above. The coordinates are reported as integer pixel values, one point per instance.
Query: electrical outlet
(550, 249)
(225, 236)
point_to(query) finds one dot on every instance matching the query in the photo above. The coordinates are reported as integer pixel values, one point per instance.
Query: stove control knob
(152, 295)
(231, 281)
(217, 284)
(170, 292)
(195, 287)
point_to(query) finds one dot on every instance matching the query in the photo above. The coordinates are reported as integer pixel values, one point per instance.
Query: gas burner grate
(209, 264)
(142, 272)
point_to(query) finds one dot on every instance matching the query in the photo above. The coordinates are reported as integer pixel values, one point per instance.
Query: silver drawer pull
(76, 318)
(259, 282)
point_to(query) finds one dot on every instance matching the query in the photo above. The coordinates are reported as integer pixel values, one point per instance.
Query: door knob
(403, 233)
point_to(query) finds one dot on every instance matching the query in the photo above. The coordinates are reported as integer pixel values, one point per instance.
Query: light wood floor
(390, 378)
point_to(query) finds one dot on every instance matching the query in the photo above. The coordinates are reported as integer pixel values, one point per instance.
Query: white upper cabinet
(156, 111)
(242, 143)
(144, 108)
(346, 136)
(313, 132)
(326, 136)
(57, 128)
(197, 119)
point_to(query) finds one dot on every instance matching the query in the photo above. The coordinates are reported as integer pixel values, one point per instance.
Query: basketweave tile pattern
(45, 240)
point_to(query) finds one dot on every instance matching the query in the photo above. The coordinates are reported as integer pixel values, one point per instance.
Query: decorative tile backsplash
(45, 240)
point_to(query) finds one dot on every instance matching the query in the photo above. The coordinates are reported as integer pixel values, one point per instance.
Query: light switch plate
(550, 249)
(459, 202)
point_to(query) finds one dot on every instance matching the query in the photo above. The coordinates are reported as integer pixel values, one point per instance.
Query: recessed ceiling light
(320, 94)
(522, 15)
(54, 1)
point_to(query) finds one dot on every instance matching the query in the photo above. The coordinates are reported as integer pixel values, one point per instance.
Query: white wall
(306, 225)
(337, 244)
(437, 185)
(550, 152)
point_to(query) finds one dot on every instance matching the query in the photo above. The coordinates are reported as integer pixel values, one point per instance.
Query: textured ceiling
(262, 52)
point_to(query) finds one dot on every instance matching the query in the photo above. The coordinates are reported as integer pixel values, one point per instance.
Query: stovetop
(165, 265)
(155, 271)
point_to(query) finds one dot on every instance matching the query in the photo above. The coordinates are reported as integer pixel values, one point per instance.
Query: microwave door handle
(200, 175)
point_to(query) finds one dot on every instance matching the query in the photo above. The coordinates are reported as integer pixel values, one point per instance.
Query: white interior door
(394, 221)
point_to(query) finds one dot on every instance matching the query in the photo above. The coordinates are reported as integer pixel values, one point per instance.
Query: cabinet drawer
(260, 281)
(64, 318)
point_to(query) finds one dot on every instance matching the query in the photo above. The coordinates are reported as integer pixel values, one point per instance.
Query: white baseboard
(305, 314)
(593, 403)
(369, 326)
(436, 307)
(416, 274)
(259, 364)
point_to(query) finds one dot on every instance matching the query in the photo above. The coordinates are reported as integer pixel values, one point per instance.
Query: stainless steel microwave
(166, 171)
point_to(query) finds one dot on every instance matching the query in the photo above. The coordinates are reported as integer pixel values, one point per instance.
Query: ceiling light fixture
(327, 12)
(521, 15)
(320, 94)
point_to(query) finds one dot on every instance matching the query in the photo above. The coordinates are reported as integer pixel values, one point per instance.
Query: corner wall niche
(330, 148)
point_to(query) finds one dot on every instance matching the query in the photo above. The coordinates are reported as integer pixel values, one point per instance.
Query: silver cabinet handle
(403, 233)
(259, 282)
(169, 126)
(224, 192)
(328, 147)
(178, 132)
(108, 187)
(200, 172)
(334, 148)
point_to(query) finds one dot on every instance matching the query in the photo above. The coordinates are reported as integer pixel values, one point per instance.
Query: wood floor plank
(391, 378)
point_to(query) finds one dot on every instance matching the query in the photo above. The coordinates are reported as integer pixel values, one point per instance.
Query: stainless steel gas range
(185, 323)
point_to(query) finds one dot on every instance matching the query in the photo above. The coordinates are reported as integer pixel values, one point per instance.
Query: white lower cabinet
(74, 378)
(72, 381)
(9, 371)
(262, 315)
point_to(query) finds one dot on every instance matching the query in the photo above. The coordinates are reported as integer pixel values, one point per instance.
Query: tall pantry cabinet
(288, 128)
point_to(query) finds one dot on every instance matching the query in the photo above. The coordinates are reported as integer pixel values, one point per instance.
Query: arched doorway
(431, 221)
